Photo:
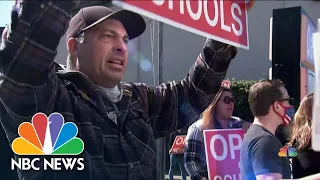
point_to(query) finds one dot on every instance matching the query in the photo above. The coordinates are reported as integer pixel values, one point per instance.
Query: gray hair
(72, 61)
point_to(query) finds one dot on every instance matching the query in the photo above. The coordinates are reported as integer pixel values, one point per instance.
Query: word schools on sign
(203, 8)
(221, 20)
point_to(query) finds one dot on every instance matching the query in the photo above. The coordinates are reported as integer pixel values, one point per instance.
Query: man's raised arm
(174, 105)
(28, 83)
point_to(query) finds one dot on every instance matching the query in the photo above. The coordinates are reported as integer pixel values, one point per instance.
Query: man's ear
(72, 46)
(276, 106)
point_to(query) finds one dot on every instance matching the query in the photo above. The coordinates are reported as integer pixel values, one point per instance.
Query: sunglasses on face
(227, 100)
(290, 100)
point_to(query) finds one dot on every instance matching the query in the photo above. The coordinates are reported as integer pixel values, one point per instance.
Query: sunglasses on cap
(228, 100)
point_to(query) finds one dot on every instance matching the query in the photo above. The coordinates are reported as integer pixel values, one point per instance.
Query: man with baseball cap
(118, 122)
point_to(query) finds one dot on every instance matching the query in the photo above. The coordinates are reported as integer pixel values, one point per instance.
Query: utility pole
(161, 141)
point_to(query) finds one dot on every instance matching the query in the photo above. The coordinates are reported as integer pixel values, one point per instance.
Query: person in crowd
(270, 104)
(177, 158)
(283, 133)
(117, 121)
(307, 161)
(217, 116)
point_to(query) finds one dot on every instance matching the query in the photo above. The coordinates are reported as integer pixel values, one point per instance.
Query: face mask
(288, 114)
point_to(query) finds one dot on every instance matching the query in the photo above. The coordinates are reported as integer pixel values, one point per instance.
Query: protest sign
(222, 20)
(223, 153)
(316, 106)
(178, 145)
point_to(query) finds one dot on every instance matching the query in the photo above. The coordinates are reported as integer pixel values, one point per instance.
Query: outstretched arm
(28, 83)
(175, 105)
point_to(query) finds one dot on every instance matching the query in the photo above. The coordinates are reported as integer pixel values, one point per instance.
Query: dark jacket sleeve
(28, 83)
(175, 105)
(171, 140)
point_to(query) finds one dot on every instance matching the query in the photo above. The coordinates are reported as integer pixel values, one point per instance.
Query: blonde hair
(301, 126)
(208, 114)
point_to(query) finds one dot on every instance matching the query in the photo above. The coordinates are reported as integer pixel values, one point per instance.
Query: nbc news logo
(287, 151)
(47, 136)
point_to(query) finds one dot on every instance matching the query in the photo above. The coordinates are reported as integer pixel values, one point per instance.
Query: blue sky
(5, 9)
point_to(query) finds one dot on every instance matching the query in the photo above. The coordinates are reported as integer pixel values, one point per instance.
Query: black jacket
(119, 138)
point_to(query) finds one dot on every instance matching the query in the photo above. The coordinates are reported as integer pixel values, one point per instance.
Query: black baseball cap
(90, 16)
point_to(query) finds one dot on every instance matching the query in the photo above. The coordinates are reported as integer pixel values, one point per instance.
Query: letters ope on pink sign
(223, 152)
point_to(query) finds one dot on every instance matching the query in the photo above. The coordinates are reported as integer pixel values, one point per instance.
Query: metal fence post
(161, 141)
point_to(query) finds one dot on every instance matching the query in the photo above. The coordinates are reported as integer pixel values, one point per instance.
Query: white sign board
(316, 105)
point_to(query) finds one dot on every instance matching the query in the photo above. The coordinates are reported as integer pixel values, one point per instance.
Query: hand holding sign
(250, 4)
(221, 20)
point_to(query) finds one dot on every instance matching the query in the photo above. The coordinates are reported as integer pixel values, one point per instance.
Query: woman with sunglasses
(218, 115)
(307, 161)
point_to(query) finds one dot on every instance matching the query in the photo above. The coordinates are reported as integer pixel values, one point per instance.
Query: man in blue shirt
(270, 104)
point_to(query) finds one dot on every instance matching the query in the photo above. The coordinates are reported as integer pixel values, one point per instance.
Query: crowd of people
(119, 122)
(272, 108)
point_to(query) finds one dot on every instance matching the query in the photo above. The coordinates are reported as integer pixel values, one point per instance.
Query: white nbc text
(54, 164)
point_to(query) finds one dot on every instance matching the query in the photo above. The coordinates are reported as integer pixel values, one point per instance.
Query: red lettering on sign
(178, 145)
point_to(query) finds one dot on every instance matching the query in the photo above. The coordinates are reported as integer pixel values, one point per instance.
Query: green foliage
(240, 89)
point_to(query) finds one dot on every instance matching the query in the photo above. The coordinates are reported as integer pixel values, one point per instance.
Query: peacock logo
(47, 136)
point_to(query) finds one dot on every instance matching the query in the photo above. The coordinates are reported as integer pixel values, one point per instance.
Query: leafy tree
(240, 89)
